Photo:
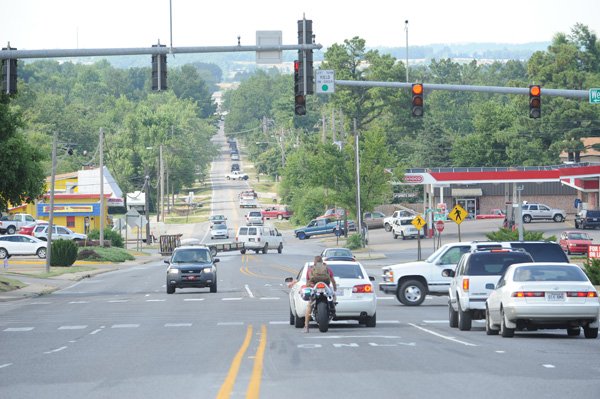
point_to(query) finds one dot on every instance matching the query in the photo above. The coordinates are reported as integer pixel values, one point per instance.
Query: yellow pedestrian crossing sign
(418, 222)
(458, 214)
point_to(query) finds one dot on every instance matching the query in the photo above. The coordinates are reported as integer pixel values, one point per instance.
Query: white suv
(255, 218)
(476, 275)
(541, 212)
(403, 227)
(259, 238)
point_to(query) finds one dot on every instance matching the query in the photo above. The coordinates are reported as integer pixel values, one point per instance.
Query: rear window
(494, 264)
(243, 231)
(549, 273)
(543, 251)
(347, 271)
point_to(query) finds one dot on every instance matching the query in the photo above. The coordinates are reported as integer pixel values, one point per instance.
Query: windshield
(195, 255)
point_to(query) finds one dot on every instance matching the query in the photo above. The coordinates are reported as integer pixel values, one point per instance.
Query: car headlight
(207, 270)
(173, 271)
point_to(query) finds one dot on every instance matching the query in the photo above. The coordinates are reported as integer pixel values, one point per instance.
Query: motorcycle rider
(319, 271)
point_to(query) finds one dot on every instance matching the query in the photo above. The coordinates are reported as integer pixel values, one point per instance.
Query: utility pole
(162, 183)
(51, 217)
(323, 135)
(147, 207)
(333, 125)
(101, 172)
(358, 211)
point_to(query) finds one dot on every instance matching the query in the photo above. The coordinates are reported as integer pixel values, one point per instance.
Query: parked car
(319, 227)
(219, 231)
(333, 213)
(277, 212)
(403, 227)
(58, 232)
(476, 272)
(574, 242)
(493, 214)
(374, 220)
(19, 244)
(388, 222)
(12, 223)
(530, 212)
(259, 238)
(543, 295)
(191, 267)
(255, 218)
(329, 254)
(28, 229)
(356, 299)
(587, 219)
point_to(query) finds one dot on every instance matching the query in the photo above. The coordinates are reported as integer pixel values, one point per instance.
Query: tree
(22, 173)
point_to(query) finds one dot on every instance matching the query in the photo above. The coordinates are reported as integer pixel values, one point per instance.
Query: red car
(277, 212)
(575, 242)
(28, 230)
(494, 214)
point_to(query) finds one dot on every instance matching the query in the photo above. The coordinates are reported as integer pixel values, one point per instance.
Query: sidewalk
(27, 270)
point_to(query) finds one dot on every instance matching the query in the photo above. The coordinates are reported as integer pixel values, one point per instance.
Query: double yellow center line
(254, 385)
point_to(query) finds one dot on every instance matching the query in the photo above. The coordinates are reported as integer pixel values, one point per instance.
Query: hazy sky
(46, 24)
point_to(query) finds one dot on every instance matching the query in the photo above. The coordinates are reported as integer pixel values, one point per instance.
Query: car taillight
(321, 285)
(582, 294)
(465, 284)
(528, 294)
(362, 289)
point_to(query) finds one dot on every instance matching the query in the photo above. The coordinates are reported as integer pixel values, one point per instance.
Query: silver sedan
(531, 296)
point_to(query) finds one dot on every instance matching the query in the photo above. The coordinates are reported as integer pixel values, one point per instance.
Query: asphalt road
(119, 335)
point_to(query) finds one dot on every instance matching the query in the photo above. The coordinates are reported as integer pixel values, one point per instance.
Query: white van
(259, 238)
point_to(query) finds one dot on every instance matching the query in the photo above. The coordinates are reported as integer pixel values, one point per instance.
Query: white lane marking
(147, 295)
(118, 301)
(193, 299)
(18, 329)
(353, 336)
(231, 323)
(178, 324)
(77, 302)
(72, 327)
(549, 366)
(435, 321)
(39, 303)
(250, 294)
(500, 351)
(388, 321)
(125, 326)
(5, 365)
(56, 350)
(97, 331)
(442, 336)
(155, 300)
(231, 299)
(279, 322)
(269, 298)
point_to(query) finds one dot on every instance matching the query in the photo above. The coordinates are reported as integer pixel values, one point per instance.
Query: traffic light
(417, 99)
(9, 74)
(535, 101)
(305, 36)
(299, 98)
(159, 70)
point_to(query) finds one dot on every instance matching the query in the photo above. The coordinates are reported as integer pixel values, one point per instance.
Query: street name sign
(594, 96)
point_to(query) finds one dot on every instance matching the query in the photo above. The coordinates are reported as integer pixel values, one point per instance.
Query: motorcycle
(323, 310)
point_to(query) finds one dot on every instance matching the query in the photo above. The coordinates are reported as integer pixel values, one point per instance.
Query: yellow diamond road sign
(458, 214)
(418, 222)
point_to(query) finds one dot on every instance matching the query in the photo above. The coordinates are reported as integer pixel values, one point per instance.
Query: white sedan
(543, 296)
(20, 244)
(355, 294)
(219, 231)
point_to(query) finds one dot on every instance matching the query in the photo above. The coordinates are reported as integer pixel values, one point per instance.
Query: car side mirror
(167, 262)
(216, 260)
(489, 286)
(278, 234)
(289, 279)
(371, 278)
(448, 273)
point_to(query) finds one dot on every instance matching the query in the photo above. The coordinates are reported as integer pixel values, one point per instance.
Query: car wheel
(464, 318)
(41, 253)
(558, 218)
(489, 329)
(590, 332)
(170, 289)
(505, 331)
(403, 236)
(388, 227)
(411, 293)
(213, 286)
(301, 235)
(298, 322)
(371, 321)
(291, 317)
(280, 217)
(573, 332)
(452, 316)
(256, 251)
(576, 225)
(11, 230)
(280, 248)
(395, 236)
(3, 253)
(266, 248)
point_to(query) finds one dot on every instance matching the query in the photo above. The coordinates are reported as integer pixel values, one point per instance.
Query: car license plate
(555, 296)
(251, 239)
(339, 293)
(190, 277)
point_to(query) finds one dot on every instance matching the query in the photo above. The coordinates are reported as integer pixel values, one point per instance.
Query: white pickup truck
(14, 222)
(388, 222)
(237, 175)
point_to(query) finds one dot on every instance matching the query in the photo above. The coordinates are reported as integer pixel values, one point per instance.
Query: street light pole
(162, 183)
(101, 171)
(51, 217)
(406, 30)
(358, 211)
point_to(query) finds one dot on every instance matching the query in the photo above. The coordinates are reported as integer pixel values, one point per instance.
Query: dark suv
(588, 218)
(191, 267)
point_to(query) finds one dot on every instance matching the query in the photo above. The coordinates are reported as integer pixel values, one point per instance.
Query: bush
(354, 241)
(504, 234)
(63, 253)
(592, 269)
(114, 237)
(88, 254)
